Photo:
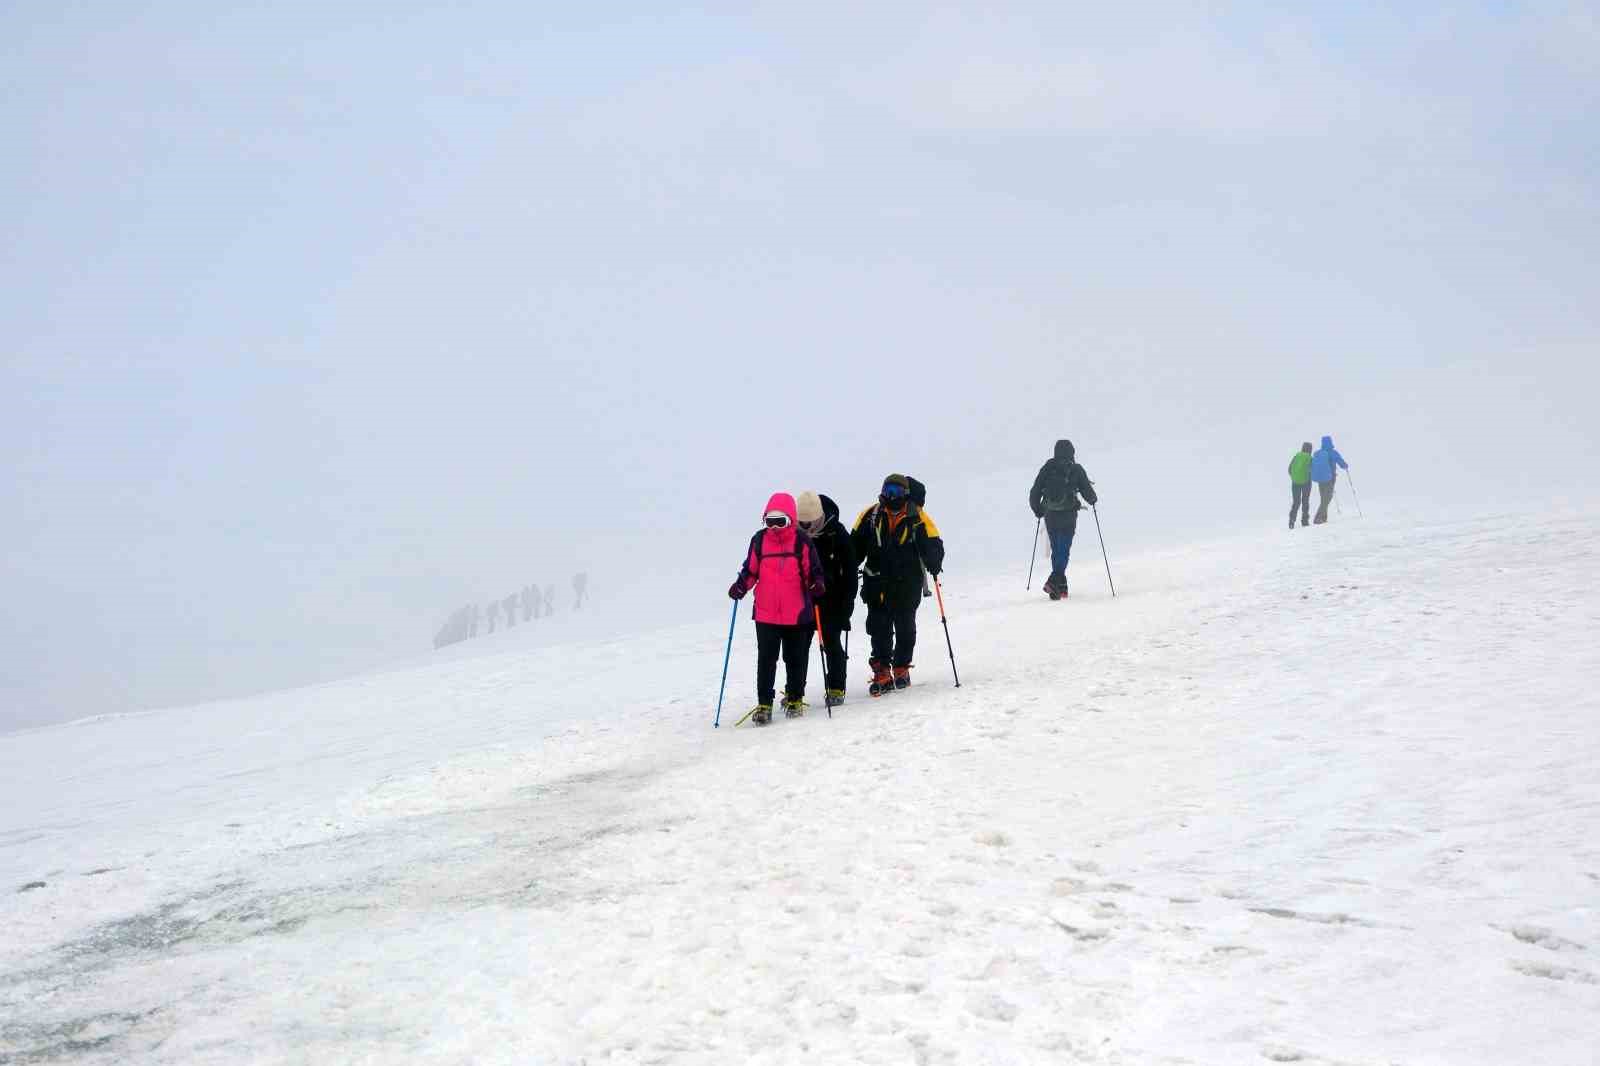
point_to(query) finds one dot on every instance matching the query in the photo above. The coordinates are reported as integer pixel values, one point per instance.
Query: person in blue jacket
(1325, 464)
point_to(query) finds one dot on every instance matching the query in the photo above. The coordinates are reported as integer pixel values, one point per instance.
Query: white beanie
(807, 507)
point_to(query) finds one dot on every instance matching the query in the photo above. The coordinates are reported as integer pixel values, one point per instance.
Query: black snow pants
(1301, 501)
(795, 643)
(893, 631)
(833, 654)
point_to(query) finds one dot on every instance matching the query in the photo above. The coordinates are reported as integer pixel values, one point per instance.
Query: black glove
(1038, 512)
(737, 590)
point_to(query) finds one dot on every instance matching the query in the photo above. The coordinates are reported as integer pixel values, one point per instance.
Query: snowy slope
(1322, 796)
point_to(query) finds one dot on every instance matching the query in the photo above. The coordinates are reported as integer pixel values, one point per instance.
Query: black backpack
(1056, 494)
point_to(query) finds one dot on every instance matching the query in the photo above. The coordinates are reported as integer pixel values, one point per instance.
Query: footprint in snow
(1336, 918)
(1082, 934)
(1236, 950)
(1541, 937)
(993, 1007)
(1555, 973)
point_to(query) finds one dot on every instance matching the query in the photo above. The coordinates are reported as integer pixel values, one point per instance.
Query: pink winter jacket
(783, 567)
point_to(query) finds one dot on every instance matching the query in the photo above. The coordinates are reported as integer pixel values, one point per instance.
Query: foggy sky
(320, 321)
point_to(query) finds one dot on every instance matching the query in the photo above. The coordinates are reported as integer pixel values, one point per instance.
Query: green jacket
(1300, 468)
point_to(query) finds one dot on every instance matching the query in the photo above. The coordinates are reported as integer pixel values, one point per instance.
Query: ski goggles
(894, 492)
(777, 521)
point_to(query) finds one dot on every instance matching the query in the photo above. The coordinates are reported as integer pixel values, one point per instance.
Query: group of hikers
(535, 602)
(807, 569)
(1307, 467)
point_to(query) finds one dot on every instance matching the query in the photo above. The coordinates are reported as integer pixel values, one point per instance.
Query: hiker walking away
(1325, 465)
(1300, 485)
(819, 519)
(783, 567)
(1054, 497)
(897, 543)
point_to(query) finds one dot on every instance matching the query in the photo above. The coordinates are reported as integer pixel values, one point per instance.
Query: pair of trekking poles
(1034, 558)
(1354, 495)
(822, 649)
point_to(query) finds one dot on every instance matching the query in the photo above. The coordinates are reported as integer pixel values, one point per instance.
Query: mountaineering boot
(1050, 588)
(793, 706)
(882, 680)
(833, 697)
(902, 677)
(762, 714)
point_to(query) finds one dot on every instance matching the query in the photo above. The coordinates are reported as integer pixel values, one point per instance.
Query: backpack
(1056, 493)
(800, 540)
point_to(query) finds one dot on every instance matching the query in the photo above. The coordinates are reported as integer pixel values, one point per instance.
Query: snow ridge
(1321, 796)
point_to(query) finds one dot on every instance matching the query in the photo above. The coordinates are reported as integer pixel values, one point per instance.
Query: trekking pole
(1035, 556)
(945, 622)
(822, 654)
(1354, 495)
(1096, 509)
(732, 618)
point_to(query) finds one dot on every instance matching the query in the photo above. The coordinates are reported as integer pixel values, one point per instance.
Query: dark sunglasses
(777, 521)
(892, 491)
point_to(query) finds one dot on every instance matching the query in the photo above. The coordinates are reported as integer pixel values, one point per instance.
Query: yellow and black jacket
(895, 550)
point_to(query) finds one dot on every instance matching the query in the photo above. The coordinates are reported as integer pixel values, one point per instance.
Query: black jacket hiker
(895, 547)
(1054, 498)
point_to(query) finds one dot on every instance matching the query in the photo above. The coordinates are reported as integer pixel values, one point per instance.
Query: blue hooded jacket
(1325, 459)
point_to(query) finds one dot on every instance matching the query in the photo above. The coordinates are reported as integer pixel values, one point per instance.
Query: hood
(783, 503)
(1327, 444)
(1064, 451)
(830, 509)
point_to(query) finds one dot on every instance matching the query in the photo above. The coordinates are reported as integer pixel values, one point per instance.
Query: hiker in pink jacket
(783, 567)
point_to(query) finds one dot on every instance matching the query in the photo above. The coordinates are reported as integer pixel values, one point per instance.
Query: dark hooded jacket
(1055, 492)
(895, 549)
(838, 567)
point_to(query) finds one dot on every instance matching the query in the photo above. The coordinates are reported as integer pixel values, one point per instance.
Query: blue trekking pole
(732, 619)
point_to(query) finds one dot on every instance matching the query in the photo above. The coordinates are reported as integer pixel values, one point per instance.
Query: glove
(934, 572)
(844, 627)
(736, 590)
(1038, 512)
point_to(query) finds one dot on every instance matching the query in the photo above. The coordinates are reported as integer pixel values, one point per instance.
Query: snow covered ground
(1329, 796)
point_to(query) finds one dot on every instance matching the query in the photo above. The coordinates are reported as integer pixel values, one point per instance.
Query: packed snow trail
(1321, 796)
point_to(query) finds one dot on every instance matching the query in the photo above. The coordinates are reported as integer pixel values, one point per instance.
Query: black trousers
(833, 654)
(1301, 501)
(795, 643)
(893, 631)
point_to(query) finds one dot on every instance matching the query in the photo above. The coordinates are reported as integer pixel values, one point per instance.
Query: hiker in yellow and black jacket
(897, 542)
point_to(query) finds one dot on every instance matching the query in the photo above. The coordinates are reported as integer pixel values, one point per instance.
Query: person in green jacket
(1300, 485)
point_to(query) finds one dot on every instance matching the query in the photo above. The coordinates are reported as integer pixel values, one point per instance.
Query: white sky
(319, 321)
